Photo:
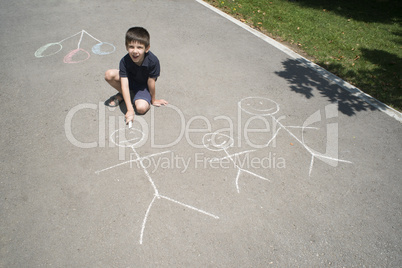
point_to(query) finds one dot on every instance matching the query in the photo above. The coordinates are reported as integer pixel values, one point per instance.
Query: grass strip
(359, 41)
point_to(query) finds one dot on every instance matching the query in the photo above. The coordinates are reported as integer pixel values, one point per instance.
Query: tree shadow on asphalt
(304, 81)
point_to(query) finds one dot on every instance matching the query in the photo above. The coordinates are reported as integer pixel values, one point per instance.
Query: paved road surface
(257, 161)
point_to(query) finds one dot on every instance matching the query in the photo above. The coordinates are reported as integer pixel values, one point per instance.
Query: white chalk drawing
(101, 48)
(136, 137)
(221, 142)
(266, 107)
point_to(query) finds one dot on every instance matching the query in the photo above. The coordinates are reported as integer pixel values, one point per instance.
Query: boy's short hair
(137, 34)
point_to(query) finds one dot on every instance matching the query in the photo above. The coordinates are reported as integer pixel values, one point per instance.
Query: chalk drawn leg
(237, 181)
(273, 137)
(144, 222)
(311, 165)
(326, 159)
(249, 172)
(232, 158)
(190, 207)
(256, 175)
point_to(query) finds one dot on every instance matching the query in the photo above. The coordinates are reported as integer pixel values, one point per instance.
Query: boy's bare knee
(110, 75)
(142, 107)
(142, 110)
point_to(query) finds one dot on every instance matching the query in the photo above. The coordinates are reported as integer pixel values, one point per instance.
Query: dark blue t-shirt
(138, 75)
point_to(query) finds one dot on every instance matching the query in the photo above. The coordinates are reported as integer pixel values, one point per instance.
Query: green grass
(359, 41)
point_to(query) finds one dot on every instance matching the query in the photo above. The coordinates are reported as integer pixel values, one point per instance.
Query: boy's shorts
(140, 92)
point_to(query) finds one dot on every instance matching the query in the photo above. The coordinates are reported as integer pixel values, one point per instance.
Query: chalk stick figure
(221, 142)
(266, 107)
(134, 138)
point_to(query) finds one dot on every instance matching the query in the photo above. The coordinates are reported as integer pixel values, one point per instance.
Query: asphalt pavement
(258, 160)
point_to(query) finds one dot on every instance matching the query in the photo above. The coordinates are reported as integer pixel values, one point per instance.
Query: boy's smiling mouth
(136, 59)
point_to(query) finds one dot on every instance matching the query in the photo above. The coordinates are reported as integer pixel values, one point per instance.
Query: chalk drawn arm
(138, 159)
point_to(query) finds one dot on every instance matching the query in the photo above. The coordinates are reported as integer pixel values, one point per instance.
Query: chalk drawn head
(217, 141)
(48, 50)
(127, 137)
(103, 48)
(258, 106)
(76, 56)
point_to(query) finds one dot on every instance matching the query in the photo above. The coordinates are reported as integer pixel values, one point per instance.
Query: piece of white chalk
(130, 124)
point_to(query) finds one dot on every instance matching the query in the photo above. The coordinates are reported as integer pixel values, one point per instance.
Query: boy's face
(137, 51)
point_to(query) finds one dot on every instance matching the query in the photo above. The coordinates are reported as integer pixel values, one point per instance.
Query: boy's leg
(142, 100)
(113, 78)
(142, 106)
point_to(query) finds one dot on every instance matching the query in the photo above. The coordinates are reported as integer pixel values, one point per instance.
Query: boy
(136, 78)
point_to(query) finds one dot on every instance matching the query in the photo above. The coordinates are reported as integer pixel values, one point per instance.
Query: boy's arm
(127, 99)
(151, 87)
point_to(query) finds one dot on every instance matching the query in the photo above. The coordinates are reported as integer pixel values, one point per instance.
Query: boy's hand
(129, 116)
(159, 102)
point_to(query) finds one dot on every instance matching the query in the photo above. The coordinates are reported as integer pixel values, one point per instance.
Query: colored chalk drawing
(134, 138)
(101, 48)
